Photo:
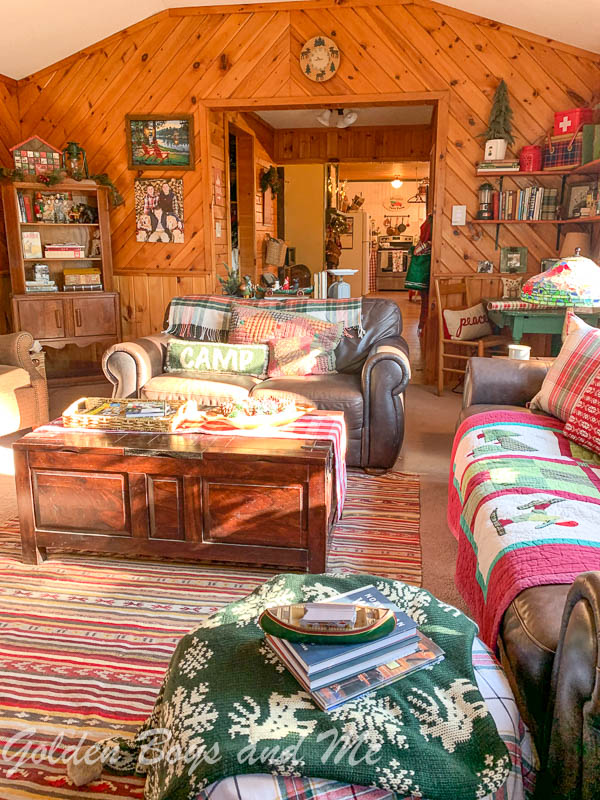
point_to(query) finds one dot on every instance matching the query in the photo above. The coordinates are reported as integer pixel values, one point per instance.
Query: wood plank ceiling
(190, 58)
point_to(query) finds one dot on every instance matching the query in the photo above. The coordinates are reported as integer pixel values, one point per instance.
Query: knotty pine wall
(10, 130)
(181, 60)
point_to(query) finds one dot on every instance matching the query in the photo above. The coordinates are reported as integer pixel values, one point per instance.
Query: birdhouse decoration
(35, 156)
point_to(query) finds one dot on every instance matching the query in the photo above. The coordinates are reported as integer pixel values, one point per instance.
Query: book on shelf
(84, 287)
(333, 674)
(505, 165)
(41, 287)
(529, 204)
(32, 244)
(64, 251)
(84, 278)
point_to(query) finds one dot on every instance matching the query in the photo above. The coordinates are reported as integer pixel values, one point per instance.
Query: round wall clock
(320, 58)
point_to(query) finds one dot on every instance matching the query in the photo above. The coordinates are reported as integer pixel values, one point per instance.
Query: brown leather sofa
(373, 372)
(549, 637)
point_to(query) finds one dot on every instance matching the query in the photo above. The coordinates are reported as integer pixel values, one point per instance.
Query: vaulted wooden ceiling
(52, 33)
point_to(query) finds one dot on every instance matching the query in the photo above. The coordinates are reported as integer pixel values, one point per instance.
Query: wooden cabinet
(61, 317)
(44, 318)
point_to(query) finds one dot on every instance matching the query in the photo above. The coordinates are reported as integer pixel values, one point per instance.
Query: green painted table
(547, 321)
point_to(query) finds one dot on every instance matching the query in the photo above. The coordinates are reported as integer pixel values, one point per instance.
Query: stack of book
(505, 165)
(41, 286)
(79, 279)
(335, 674)
(320, 280)
(532, 203)
(62, 251)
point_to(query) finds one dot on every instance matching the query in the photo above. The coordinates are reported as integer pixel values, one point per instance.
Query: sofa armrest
(15, 352)
(572, 763)
(130, 365)
(385, 376)
(503, 381)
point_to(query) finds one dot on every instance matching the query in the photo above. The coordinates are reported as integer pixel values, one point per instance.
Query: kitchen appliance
(355, 251)
(392, 262)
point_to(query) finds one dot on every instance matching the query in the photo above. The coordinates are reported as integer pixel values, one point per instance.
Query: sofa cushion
(583, 425)
(528, 640)
(575, 366)
(263, 325)
(332, 392)
(207, 389)
(466, 323)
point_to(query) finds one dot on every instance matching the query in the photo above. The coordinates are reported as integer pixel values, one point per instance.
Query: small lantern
(486, 192)
(74, 160)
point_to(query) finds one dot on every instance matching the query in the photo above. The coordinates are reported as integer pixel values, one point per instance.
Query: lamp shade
(574, 240)
(572, 281)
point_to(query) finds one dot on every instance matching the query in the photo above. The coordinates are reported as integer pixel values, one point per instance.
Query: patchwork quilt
(524, 504)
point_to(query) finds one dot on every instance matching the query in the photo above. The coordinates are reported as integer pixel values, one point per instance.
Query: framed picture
(485, 266)
(577, 194)
(158, 141)
(548, 263)
(513, 259)
(159, 210)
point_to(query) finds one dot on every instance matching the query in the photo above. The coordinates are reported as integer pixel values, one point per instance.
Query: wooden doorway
(242, 190)
(438, 99)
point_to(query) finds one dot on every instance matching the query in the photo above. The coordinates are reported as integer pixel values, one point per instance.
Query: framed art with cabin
(160, 141)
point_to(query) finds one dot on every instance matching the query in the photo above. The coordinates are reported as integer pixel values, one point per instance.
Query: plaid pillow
(296, 355)
(574, 368)
(251, 325)
(583, 425)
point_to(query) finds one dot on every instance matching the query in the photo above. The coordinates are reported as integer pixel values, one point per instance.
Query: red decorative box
(571, 121)
(530, 158)
(562, 152)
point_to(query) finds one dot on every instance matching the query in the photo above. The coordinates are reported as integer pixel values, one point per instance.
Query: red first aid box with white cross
(571, 121)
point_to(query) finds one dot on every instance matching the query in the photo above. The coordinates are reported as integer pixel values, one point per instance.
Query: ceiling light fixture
(396, 183)
(341, 119)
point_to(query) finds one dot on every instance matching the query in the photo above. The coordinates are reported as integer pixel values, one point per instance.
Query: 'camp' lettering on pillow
(218, 358)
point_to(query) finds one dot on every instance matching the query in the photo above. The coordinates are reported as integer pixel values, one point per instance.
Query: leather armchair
(373, 373)
(23, 389)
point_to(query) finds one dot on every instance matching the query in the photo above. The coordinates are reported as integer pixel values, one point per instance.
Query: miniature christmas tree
(500, 122)
(231, 284)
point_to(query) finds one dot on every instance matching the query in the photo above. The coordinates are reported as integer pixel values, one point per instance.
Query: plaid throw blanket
(207, 317)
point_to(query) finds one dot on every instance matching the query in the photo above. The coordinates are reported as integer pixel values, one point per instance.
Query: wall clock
(320, 58)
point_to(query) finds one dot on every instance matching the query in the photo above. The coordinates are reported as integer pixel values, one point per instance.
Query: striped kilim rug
(85, 641)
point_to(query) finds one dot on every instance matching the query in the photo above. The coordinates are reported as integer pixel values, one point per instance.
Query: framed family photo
(158, 141)
(159, 210)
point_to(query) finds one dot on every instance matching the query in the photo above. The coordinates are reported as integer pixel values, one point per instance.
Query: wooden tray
(77, 416)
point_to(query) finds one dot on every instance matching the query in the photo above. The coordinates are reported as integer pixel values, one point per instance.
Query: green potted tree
(499, 130)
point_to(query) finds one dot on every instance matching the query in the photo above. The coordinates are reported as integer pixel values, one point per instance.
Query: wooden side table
(547, 321)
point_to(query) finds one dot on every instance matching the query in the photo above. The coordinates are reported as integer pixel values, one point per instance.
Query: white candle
(520, 352)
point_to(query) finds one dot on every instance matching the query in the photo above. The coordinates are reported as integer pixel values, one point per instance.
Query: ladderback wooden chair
(457, 294)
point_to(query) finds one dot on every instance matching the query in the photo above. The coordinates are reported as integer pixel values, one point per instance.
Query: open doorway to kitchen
(303, 145)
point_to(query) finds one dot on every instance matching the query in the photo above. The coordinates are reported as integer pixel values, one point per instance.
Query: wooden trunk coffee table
(190, 496)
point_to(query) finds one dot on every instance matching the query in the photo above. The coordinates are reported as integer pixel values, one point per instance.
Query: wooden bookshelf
(61, 317)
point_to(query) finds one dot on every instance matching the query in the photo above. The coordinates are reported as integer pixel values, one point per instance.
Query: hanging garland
(270, 179)
(58, 175)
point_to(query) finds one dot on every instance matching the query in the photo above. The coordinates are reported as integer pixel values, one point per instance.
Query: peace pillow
(583, 425)
(572, 370)
(466, 323)
(246, 359)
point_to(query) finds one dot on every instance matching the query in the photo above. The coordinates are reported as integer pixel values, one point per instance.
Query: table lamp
(571, 281)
